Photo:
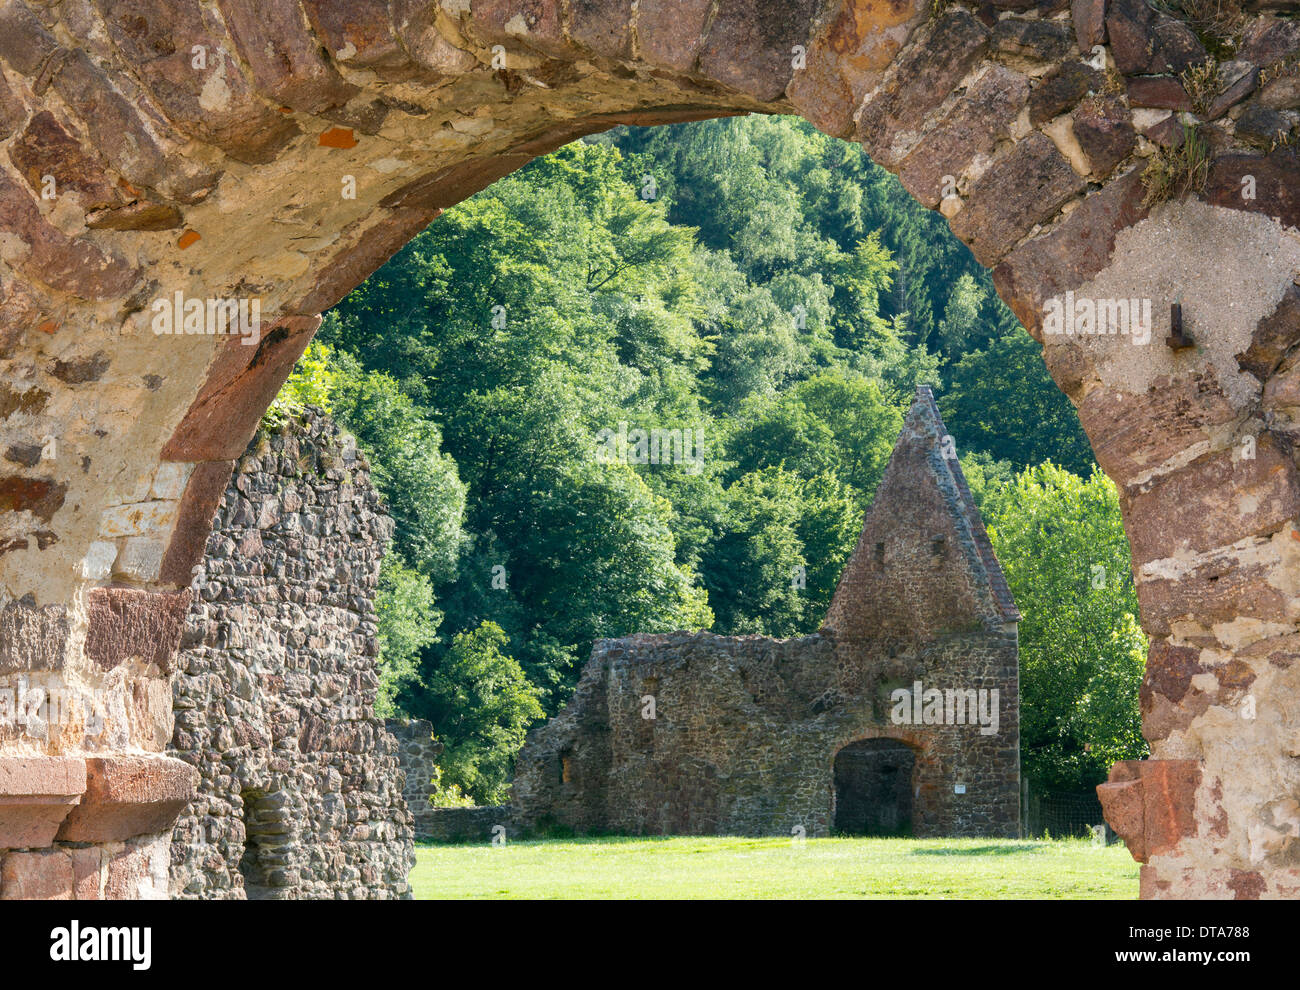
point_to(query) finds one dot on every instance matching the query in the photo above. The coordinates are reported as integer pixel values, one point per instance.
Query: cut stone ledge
(126, 796)
(36, 794)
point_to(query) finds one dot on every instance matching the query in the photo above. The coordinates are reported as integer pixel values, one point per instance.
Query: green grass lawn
(727, 867)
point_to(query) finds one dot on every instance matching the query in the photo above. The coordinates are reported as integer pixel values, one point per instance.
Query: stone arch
(160, 153)
(928, 775)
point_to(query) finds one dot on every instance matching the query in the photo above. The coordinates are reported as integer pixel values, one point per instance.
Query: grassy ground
(728, 867)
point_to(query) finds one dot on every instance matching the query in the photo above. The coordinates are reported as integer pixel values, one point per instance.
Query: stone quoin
(199, 148)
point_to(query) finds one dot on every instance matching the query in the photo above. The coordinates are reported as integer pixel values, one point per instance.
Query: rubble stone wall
(417, 754)
(746, 730)
(301, 790)
(482, 823)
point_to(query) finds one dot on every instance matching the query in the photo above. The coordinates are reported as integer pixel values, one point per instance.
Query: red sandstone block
(24, 42)
(1144, 42)
(125, 623)
(86, 865)
(751, 44)
(359, 34)
(36, 794)
(1076, 250)
(671, 31)
(61, 775)
(1186, 408)
(1026, 187)
(33, 821)
(285, 59)
(50, 147)
(1274, 336)
(240, 384)
(973, 128)
(158, 37)
(1277, 193)
(68, 264)
(36, 876)
(203, 492)
(1221, 590)
(847, 59)
(1214, 502)
(1105, 133)
(919, 81)
(1158, 92)
(128, 796)
(604, 27)
(1089, 17)
(536, 25)
(1151, 803)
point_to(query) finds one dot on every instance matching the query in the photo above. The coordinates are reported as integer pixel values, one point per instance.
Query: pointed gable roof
(923, 564)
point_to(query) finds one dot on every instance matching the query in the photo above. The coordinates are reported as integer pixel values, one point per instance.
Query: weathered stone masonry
(757, 736)
(221, 178)
(300, 792)
(417, 753)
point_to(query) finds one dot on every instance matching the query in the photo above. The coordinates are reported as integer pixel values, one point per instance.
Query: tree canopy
(650, 382)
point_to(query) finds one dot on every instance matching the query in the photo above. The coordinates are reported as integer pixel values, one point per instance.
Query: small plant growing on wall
(1174, 173)
(1217, 23)
(1202, 84)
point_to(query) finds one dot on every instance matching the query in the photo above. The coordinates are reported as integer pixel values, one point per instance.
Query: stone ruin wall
(417, 755)
(745, 734)
(745, 730)
(300, 793)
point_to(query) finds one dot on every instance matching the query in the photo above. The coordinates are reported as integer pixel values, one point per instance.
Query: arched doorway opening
(873, 788)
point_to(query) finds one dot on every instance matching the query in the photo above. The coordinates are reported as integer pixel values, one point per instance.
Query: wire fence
(1065, 814)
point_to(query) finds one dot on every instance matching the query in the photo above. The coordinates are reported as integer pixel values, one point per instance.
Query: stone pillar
(1200, 440)
(418, 753)
(300, 790)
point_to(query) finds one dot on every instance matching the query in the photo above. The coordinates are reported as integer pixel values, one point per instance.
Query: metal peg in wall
(1177, 340)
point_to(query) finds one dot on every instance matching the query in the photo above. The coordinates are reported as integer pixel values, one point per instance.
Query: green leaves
(785, 295)
(1061, 543)
(481, 705)
(832, 423)
(408, 622)
(1001, 400)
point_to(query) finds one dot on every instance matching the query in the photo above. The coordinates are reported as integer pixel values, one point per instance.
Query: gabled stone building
(900, 716)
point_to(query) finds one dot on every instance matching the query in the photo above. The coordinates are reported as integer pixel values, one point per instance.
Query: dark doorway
(873, 788)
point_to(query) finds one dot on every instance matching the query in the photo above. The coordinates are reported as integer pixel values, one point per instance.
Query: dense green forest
(777, 297)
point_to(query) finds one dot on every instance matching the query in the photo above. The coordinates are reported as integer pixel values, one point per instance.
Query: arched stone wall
(212, 149)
